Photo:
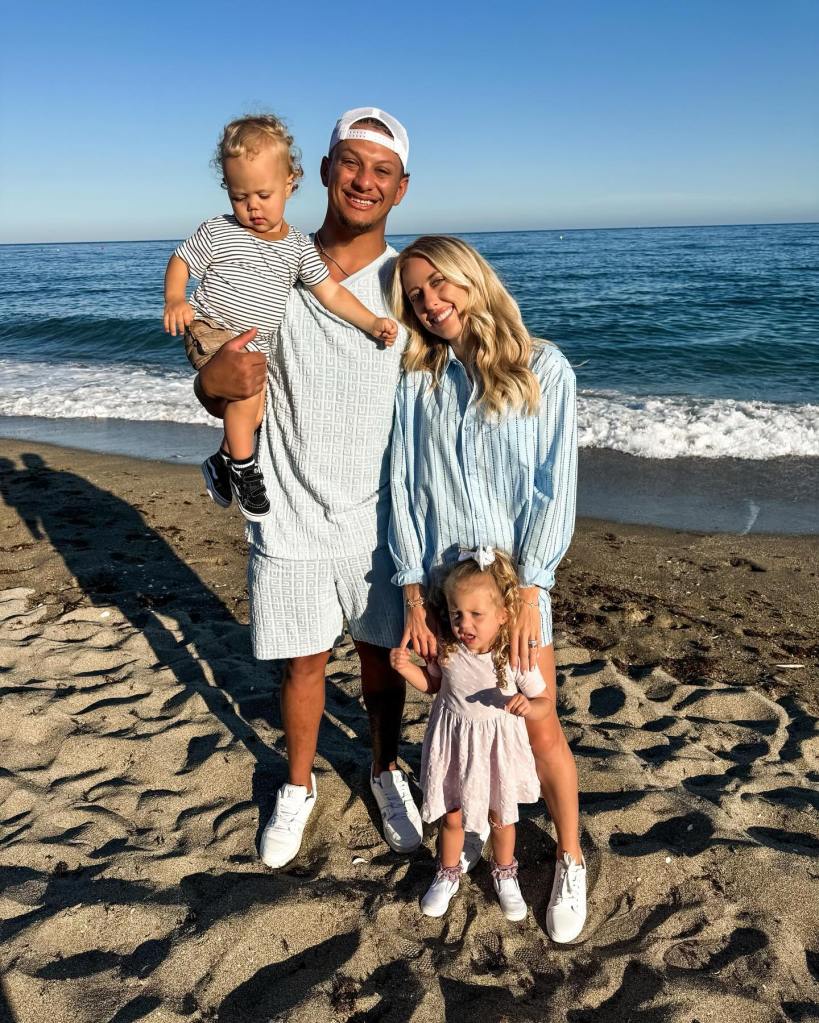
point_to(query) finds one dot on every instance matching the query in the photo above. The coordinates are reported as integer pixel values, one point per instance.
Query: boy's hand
(400, 659)
(178, 316)
(518, 705)
(385, 329)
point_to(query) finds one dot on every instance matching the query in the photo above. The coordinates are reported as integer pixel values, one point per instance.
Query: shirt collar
(451, 358)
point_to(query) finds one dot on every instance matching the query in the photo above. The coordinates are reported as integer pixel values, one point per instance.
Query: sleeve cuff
(408, 576)
(532, 575)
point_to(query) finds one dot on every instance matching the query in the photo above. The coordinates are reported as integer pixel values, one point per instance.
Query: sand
(140, 751)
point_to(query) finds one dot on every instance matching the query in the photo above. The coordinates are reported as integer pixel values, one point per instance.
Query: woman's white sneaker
(474, 841)
(507, 888)
(441, 892)
(403, 830)
(566, 914)
(281, 838)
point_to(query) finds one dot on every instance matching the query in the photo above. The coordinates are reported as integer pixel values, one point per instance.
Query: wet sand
(141, 747)
(713, 495)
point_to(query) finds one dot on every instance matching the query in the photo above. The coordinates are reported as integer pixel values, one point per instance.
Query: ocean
(689, 343)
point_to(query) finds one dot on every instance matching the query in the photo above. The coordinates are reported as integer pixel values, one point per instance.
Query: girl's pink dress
(476, 756)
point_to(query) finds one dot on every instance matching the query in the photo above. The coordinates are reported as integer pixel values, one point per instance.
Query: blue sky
(521, 115)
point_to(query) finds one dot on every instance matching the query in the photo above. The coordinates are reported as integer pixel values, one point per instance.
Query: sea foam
(68, 390)
(652, 427)
(674, 427)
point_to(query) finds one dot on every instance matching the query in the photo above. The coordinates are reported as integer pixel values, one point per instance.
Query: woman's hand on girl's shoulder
(524, 632)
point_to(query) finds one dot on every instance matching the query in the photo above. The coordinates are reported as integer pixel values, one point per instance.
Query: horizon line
(403, 234)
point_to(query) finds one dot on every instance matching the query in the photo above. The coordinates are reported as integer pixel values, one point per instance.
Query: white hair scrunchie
(483, 555)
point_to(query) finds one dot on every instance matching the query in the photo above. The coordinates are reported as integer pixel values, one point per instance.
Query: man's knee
(308, 671)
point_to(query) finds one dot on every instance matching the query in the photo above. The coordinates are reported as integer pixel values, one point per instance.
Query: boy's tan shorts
(203, 339)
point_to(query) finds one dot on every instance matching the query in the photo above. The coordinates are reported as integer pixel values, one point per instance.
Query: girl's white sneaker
(508, 891)
(442, 890)
(566, 914)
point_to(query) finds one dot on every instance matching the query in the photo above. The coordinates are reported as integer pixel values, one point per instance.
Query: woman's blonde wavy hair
(246, 136)
(503, 574)
(500, 345)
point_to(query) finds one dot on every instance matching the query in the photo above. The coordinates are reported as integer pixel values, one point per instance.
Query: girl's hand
(385, 330)
(418, 632)
(399, 659)
(178, 316)
(525, 638)
(419, 678)
(518, 705)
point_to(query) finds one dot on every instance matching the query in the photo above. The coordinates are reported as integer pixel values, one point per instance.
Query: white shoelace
(287, 815)
(396, 804)
(569, 887)
(397, 798)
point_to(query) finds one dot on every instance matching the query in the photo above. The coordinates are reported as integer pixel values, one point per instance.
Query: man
(321, 555)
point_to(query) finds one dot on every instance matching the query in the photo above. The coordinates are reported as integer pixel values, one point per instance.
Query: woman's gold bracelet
(412, 602)
(529, 603)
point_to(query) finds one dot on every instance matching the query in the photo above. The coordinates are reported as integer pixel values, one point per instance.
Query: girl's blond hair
(246, 136)
(501, 346)
(505, 578)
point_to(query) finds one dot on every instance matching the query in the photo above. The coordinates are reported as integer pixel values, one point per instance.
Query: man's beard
(355, 226)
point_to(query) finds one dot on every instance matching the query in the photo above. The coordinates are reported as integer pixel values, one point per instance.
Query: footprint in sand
(711, 957)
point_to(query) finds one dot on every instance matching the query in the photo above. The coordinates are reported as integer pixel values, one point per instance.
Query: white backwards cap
(399, 143)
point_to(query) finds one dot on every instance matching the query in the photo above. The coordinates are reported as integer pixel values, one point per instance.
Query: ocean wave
(678, 427)
(652, 427)
(94, 391)
(99, 339)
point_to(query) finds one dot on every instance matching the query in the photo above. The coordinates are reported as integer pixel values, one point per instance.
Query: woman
(485, 453)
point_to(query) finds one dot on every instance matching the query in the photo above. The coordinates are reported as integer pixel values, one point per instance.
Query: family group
(405, 455)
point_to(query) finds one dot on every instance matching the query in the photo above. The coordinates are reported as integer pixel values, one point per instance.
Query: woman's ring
(532, 642)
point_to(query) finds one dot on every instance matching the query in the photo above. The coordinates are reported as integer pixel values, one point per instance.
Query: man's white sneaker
(474, 841)
(507, 888)
(566, 914)
(440, 893)
(281, 837)
(402, 821)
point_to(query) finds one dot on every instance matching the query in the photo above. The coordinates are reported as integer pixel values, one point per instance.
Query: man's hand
(178, 316)
(518, 705)
(233, 373)
(385, 329)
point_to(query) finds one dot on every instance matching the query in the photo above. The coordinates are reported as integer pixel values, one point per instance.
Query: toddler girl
(246, 265)
(477, 763)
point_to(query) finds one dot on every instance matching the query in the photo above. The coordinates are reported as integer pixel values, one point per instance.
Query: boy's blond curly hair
(247, 135)
(503, 574)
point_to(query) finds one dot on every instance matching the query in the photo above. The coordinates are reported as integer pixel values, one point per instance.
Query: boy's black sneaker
(247, 484)
(216, 472)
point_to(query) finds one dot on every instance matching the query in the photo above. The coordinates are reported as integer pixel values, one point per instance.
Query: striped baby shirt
(244, 280)
(460, 479)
